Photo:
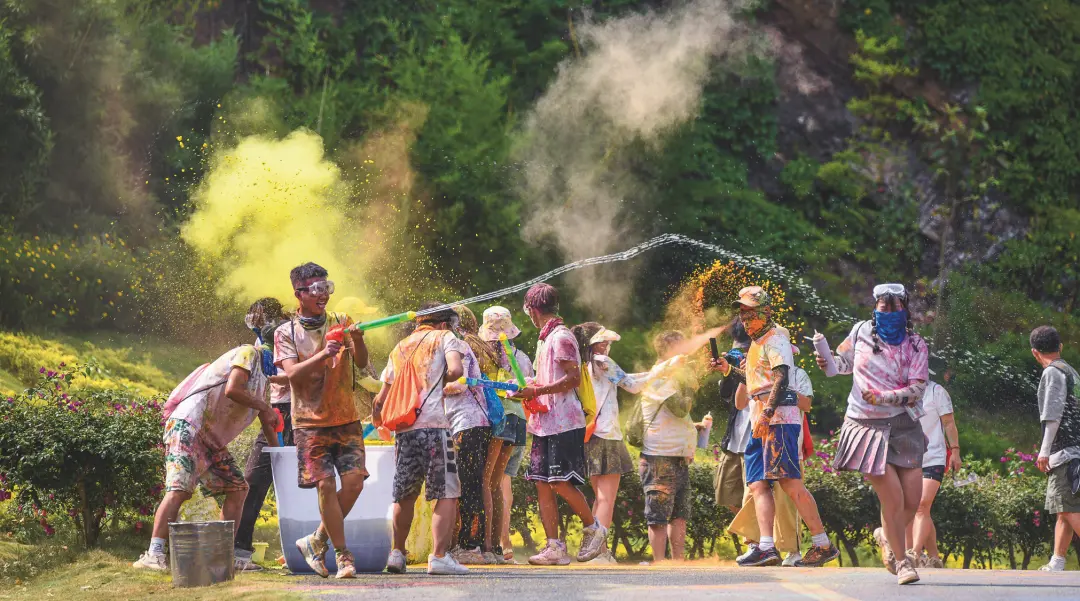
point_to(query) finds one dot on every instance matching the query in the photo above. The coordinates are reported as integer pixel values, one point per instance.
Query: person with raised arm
(881, 436)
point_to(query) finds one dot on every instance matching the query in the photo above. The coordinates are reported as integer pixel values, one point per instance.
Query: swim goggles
(318, 288)
(890, 290)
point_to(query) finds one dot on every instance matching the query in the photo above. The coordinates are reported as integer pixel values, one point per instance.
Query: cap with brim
(605, 335)
(794, 350)
(752, 296)
(497, 321)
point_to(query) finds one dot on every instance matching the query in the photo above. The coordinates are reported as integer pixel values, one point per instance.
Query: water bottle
(703, 434)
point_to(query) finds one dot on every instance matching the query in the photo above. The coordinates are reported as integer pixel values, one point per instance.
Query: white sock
(820, 540)
(1057, 562)
(157, 546)
(766, 543)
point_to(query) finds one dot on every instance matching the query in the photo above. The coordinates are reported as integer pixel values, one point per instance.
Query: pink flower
(49, 530)
(1036, 512)
(1004, 459)
(41, 371)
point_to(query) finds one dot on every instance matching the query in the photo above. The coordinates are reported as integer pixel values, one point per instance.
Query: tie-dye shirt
(565, 412)
(325, 399)
(217, 418)
(895, 367)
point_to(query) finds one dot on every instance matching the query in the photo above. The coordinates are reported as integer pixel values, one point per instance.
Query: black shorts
(558, 458)
(933, 472)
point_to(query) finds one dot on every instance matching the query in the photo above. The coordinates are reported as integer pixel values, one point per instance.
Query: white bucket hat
(605, 335)
(497, 321)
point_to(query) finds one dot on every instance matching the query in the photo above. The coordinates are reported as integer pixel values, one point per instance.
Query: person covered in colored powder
(557, 461)
(424, 455)
(606, 456)
(880, 438)
(258, 472)
(773, 454)
(669, 438)
(470, 428)
(1059, 453)
(210, 408)
(326, 421)
(942, 455)
(786, 520)
(512, 435)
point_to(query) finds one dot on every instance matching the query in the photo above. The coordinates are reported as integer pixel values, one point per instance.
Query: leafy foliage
(88, 458)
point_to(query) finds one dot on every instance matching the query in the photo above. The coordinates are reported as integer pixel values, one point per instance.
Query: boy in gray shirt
(1060, 416)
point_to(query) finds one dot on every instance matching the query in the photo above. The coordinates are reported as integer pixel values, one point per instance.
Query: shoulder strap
(1069, 380)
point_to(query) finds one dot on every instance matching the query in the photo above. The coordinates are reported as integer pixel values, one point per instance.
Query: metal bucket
(200, 553)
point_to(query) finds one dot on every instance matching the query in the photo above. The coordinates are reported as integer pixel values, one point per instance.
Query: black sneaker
(760, 557)
(818, 556)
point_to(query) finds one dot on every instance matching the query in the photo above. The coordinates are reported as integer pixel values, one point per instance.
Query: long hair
(584, 332)
(486, 356)
(893, 300)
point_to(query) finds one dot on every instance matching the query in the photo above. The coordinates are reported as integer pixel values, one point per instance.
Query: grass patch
(9, 384)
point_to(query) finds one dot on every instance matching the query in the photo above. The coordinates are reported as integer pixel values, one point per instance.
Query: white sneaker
(789, 561)
(244, 564)
(154, 562)
(395, 564)
(1050, 568)
(604, 559)
(445, 566)
(749, 549)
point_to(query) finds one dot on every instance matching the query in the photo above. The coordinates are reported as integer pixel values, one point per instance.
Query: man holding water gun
(319, 359)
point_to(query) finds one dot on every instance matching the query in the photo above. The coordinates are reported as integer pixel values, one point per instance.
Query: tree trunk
(969, 553)
(1027, 559)
(735, 543)
(91, 524)
(850, 547)
(1012, 557)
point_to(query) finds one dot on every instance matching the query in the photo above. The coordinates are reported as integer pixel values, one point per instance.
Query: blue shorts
(777, 458)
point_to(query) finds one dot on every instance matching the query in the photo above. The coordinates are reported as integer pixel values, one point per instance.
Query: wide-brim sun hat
(497, 321)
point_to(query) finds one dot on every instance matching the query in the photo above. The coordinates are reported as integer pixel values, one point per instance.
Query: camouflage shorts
(189, 462)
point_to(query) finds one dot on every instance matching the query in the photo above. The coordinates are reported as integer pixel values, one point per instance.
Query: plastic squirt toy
(508, 386)
(520, 377)
(280, 429)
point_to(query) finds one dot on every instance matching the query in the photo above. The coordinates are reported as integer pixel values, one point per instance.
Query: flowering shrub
(847, 503)
(84, 458)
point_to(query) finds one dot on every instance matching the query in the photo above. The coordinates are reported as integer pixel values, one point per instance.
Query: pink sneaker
(553, 555)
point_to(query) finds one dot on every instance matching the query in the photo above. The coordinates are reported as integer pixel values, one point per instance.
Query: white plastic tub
(367, 527)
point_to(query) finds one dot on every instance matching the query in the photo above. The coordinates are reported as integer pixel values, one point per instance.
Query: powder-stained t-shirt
(665, 406)
(466, 409)
(565, 412)
(217, 418)
(895, 367)
(768, 352)
(607, 378)
(427, 348)
(325, 397)
(1052, 396)
(936, 403)
(280, 393)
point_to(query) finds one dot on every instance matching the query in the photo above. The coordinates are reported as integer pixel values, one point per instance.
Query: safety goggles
(889, 290)
(318, 288)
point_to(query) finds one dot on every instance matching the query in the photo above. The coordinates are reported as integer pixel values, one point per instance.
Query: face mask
(755, 322)
(891, 327)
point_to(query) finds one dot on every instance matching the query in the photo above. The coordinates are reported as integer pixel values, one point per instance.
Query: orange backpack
(403, 402)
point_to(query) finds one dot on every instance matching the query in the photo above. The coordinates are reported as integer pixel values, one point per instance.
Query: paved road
(631, 583)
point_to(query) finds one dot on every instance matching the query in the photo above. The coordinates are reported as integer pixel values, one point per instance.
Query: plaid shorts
(321, 451)
(188, 462)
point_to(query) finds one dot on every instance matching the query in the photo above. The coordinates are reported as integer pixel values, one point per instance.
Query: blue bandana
(891, 327)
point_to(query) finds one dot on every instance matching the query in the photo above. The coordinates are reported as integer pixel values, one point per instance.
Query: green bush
(89, 458)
